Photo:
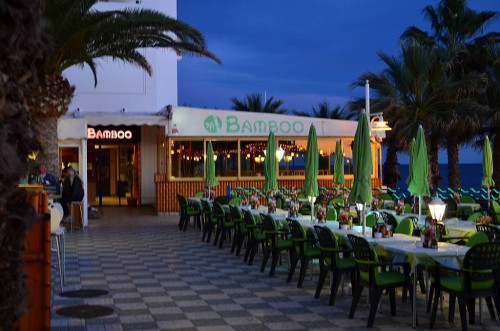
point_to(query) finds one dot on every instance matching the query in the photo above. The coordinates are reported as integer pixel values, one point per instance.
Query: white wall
(124, 86)
(149, 162)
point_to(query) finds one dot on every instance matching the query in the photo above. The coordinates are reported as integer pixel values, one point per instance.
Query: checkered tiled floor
(159, 278)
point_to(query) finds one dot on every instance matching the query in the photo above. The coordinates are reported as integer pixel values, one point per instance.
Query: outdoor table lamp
(437, 208)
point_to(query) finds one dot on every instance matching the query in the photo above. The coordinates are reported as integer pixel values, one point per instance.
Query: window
(226, 159)
(252, 157)
(187, 158)
(245, 157)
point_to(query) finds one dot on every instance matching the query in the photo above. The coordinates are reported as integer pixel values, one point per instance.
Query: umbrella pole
(489, 197)
(419, 207)
(312, 210)
(363, 218)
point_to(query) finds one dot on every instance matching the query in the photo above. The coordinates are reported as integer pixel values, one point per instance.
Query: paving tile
(160, 278)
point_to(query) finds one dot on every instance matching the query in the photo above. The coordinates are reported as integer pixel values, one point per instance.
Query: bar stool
(57, 233)
(79, 205)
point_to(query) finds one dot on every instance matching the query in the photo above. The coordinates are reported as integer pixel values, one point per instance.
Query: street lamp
(377, 123)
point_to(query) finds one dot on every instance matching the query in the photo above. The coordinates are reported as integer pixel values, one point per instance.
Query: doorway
(113, 174)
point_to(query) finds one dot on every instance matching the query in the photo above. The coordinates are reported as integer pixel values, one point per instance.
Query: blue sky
(302, 52)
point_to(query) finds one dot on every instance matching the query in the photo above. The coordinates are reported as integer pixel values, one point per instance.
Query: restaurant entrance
(113, 166)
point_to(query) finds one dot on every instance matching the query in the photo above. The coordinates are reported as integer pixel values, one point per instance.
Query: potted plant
(129, 178)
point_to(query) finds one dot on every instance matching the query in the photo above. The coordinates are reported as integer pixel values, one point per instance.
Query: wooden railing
(36, 257)
(166, 199)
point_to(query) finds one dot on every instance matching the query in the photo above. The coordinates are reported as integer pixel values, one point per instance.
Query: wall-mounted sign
(92, 133)
(113, 134)
(197, 122)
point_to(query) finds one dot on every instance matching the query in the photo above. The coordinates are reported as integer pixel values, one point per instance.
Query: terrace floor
(160, 278)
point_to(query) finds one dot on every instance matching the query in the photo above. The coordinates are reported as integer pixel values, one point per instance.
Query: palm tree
(415, 90)
(79, 35)
(255, 103)
(457, 31)
(324, 111)
(20, 57)
(492, 101)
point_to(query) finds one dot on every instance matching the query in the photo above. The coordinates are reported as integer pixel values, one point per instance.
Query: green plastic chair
(331, 214)
(332, 261)
(477, 238)
(240, 230)
(408, 208)
(475, 279)
(234, 201)
(371, 220)
(255, 237)
(280, 202)
(186, 212)
(495, 211)
(198, 194)
(467, 199)
(275, 243)
(376, 277)
(209, 220)
(336, 201)
(304, 249)
(491, 232)
(405, 226)
(473, 216)
(389, 219)
(224, 224)
(451, 208)
(385, 196)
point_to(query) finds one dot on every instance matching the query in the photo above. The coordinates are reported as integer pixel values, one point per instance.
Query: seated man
(72, 189)
(49, 182)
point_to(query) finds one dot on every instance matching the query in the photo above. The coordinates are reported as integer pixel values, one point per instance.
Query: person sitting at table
(72, 189)
(49, 182)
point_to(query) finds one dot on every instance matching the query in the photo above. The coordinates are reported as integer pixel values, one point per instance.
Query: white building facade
(119, 160)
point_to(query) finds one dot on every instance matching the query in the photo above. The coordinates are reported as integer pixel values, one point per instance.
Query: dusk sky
(302, 52)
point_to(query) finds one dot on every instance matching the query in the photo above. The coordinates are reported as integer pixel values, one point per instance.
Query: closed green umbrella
(338, 168)
(419, 183)
(410, 166)
(311, 167)
(210, 179)
(270, 183)
(487, 180)
(361, 191)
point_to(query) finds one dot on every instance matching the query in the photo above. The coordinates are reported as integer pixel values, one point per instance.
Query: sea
(470, 176)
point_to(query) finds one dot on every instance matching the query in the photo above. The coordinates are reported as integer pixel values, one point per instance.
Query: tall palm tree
(21, 53)
(415, 90)
(80, 34)
(458, 31)
(492, 101)
(324, 111)
(255, 103)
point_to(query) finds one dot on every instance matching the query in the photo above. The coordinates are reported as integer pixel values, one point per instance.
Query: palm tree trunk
(496, 158)
(391, 166)
(453, 163)
(21, 59)
(47, 130)
(433, 150)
